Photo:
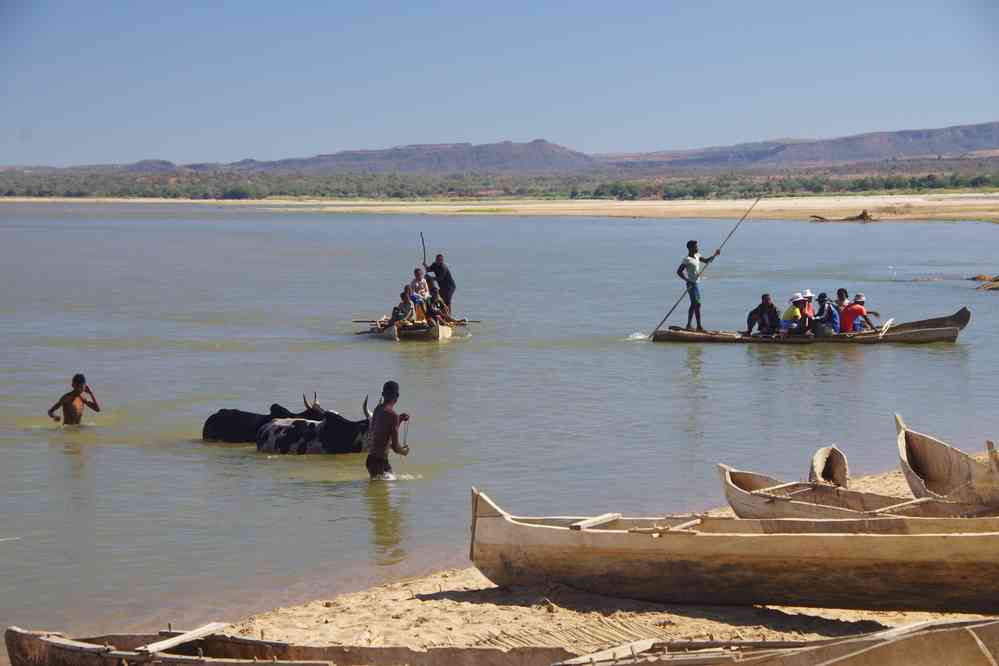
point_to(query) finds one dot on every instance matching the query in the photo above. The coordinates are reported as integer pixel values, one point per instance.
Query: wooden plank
(619, 652)
(767, 491)
(596, 521)
(180, 639)
(685, 526)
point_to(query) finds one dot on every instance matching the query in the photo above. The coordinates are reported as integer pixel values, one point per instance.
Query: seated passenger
(854, 316)
(437, 309)
(809, 307)
(421, 291)
(765, 316)
(403, 312)
(794, 321)
(827, 318)
(842, 299)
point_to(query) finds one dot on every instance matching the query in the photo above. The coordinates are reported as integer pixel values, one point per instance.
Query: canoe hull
(913, 337)
(433, 333)
(880, 564)
(933, 468)
(829, 465)
(31, 648)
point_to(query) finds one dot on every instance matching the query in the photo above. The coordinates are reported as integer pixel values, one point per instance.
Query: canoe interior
(814, 493)
(829, 465)
(30, 648)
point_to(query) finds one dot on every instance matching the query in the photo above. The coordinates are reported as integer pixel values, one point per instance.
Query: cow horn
(315, 398)
(306, 401)
(364, 406)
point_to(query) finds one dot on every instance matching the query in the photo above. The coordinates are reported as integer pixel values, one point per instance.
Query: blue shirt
(830, 316)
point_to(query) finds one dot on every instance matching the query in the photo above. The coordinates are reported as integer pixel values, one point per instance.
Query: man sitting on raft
(765, 316)
(403, 311)
(794, 321)
(421, 290)
(827, 318)
(854, 316)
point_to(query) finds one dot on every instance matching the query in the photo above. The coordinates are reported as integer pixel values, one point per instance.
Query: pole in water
(687, 288)
(424, 244)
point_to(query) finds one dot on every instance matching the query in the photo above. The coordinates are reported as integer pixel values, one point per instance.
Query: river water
(549, 404)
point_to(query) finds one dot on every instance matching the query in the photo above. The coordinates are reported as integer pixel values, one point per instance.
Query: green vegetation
(223, 184)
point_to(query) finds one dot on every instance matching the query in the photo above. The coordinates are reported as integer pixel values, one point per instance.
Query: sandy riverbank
(459, 607)
(965, 206)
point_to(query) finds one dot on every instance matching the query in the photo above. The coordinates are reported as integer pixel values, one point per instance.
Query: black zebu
(234, 425)
(332, 434)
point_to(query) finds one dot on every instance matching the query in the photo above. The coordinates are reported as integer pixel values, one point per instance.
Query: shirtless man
(385, 433)
(73, 402)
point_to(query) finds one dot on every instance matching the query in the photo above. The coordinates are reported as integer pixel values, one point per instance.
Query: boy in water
(72, 403)
(385, 432)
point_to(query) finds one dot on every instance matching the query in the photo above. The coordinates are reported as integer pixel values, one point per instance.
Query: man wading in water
(385, 433)
(72, 403)
(693, 265)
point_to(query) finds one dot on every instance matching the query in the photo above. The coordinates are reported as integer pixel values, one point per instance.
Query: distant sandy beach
(889, 207)
(460, 607)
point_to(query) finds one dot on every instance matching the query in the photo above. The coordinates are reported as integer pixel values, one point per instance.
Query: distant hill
(957, 141)
(538, 156)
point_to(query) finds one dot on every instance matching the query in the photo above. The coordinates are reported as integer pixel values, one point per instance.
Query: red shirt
(849, 315)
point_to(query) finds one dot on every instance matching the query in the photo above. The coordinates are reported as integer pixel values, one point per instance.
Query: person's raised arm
(92, 403)
(712, 257)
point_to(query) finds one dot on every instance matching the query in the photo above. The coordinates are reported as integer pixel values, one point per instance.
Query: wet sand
(981, 206)
(460, 607)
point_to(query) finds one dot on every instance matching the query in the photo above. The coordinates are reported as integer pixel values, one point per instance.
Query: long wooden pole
(701, 272)
(424, 244)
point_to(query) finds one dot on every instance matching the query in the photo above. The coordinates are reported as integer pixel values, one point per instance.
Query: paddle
(701, 272)
(884, 329)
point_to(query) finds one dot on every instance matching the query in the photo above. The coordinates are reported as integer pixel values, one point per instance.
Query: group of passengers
(425, 299)
(844, 315)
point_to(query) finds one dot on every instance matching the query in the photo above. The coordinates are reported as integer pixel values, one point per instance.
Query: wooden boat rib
(933, 468)
(921, 644)
(753, 495)
(38, 648)
(829, 465)
(892, 563)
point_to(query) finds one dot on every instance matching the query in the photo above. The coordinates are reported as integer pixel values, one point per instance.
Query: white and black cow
(235, 425)
(333, 434)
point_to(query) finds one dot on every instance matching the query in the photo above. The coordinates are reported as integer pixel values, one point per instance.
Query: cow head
(313, 412)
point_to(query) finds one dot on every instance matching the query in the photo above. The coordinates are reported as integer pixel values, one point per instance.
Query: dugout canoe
(829, 466)
(933, 468)
(891, 563)
(753, 495)
(958, 320)
(432, 332)
(921, 644)
(210, 648)
(919, 336)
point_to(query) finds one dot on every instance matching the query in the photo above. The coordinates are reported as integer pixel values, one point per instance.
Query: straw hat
(797, 297)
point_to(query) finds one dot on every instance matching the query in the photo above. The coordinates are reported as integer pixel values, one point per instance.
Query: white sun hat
(808, 294)
(797, 297)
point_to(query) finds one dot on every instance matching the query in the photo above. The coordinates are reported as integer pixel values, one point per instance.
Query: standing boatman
(690, 272)
(445, 281)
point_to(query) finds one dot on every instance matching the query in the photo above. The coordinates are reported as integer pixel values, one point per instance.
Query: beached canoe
(829, 466)
(753, 495)
(933, 468)
(918, 336)
(209, 648)
(933, 564)
(922, 644)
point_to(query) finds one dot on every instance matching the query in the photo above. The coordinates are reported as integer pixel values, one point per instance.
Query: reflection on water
(545, 401)
(386, 504)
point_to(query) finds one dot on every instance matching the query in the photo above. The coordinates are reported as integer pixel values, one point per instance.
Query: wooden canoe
(432, 332)
(958, 320)
(892, 336)
(40, 648)
(921, 644)
(892, 563)
(829, 466)
(933, 468)
(753, 495)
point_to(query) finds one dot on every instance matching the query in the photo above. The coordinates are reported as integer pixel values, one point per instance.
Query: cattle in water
(234, 425)
(333, 434)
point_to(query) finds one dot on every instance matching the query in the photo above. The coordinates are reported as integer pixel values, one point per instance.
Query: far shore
(981, 206)
(461, 608)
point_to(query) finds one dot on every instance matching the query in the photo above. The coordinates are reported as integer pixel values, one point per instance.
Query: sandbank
(974, 206)
(461, 608)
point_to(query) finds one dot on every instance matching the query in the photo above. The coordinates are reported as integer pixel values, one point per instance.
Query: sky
(115, 82)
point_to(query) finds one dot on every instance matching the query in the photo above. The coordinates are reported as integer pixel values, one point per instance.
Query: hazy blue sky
(88, 82)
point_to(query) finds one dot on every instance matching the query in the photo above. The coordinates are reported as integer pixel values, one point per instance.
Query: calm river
(176, 311)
